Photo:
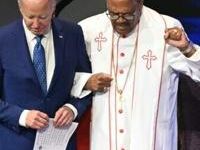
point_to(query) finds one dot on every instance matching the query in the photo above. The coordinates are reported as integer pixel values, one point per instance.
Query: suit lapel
(59, 48)
(22, 49)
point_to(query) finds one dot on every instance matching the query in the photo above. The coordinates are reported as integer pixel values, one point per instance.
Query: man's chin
(122, 33)
(37, 32)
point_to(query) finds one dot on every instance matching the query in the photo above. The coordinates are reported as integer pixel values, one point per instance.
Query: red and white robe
(146, 119)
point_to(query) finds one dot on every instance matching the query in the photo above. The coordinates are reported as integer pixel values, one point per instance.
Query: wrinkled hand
(36, 119)
(176, 37)
(98, 82)
(63, 117)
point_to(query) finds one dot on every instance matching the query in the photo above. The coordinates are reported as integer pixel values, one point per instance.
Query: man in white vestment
(142, 52)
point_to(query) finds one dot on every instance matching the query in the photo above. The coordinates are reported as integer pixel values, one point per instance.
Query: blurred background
(187, 11)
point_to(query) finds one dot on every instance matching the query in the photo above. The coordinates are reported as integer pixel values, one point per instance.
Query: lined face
(37, 15)
(124, 15)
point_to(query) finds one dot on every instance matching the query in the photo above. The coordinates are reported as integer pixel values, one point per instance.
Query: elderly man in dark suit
(188, 112)
(39, 56)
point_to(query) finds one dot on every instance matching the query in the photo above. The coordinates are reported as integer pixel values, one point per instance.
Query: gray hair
(53, 3)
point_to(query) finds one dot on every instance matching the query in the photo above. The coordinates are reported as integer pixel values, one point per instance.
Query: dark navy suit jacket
(188, 104)
(19, 86)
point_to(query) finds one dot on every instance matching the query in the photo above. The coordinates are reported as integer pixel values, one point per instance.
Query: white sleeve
(73, 109)
(196, 55)
(22, 118)
(179, 62)
(189, 66)
(79, 82)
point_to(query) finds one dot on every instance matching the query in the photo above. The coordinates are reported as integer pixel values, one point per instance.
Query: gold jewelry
(190, 50)
(115, 68)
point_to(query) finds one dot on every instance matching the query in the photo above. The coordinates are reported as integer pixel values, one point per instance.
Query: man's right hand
(98, 82)
(36, 119)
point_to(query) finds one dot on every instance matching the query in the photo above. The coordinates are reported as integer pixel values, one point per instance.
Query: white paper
(52, 138)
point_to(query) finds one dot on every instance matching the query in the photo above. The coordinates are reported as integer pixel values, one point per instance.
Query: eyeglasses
(116, 16)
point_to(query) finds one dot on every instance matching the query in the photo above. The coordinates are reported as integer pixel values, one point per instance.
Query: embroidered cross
(149, 58)
(99, 41)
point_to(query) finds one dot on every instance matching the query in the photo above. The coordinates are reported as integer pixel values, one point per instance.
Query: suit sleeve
(9, 114)
(83, 65)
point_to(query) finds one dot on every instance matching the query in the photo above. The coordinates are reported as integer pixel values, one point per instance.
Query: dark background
(187, 11)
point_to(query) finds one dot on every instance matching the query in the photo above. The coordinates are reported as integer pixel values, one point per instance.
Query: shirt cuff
(79, 82)
(22, 118)
(73, 109)
(84, 93)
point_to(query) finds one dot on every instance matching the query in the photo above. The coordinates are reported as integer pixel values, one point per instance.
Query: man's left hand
(64, 116)
(176, 37)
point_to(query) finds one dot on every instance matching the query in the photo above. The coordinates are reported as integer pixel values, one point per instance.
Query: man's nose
(121, 19)
(35, 23)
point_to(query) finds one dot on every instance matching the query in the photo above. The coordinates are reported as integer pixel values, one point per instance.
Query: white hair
(53, 2)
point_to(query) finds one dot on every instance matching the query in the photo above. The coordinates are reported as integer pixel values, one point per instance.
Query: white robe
(149, 117)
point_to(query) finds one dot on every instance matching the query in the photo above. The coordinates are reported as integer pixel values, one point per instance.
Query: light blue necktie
(39, 63)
